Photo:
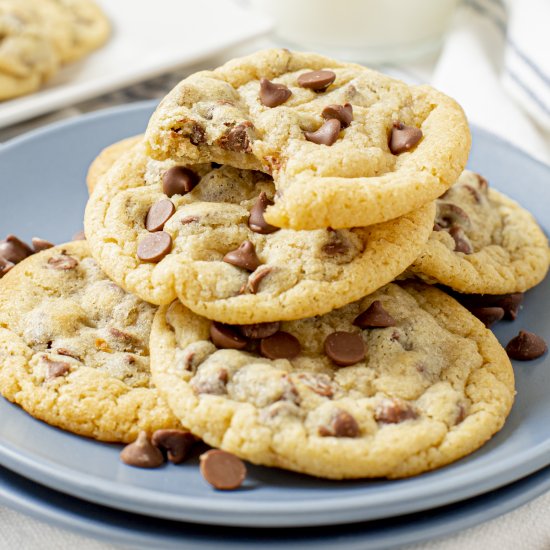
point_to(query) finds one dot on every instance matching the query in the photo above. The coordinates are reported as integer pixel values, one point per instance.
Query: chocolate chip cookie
(198, 232)
(74, 347)
(483, 242)
(403, 381)
(345, 145)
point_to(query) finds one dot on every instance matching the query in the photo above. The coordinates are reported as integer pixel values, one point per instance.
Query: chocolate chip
(67, 353)
(159, 214)
(280, 345)
(154, 247)
(62, 262)
(222, 470)
(259, 330)
(244, 256)
(141, 453)
(211, 384)
(510, 303)
(335, 248)
(189, 219)
(176, 443)
(482, 183)
(343, 113)
(318, 81)
(5, 266)
(374, 316)
(451, 215)
(55, 369)
(14, 250)
(476, 195)
(256, 220)
(403, 138)
(319, 383)
(393, 411)
(342, 424)
(178, 180)
(237, 139)
(526, 346)
(327, 134)
(226, 336)
(40, 244)
(488, 315)
(462, 243)
(271, 94)
(79, 236)
(345, 348)
(253, 283)
(197, 134)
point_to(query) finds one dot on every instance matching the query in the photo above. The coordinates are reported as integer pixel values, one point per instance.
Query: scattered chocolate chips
(342, 424)
(488, 315)
(142, 453)
(154, 247)
(327, 134)
(224, 471)
(62, 262)
(244, 256)
(14, 250)
(450, 215)
(226, 336)
(345, 348)
(259, 330)
(159, 214)
(40, 244)
(281, 345)
(403, 138)
(510, 303)
(253, 284)
(55, 369)
(526, 346)
(343, 113)
(237, 139)
(256, 220)
(272, 94)
(178, 180)
(176, 443)
(393, 411)
(318, 81)
(462, 243)
(375, 316)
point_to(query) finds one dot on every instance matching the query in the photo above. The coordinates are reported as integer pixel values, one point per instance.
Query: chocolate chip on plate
(154, 247)
(345, 348)
(226, 336)
(14, 250)
(280, 345)
(403, 138)
(259, 330)
(176, 443)
(318, 81)
(256, 220)
(342, 424)
(526, 346)
(178, 180)
(159, 214)
(224, 471)
(375, 316)
(510, 303)
(272, 94)
(343, 113)
(488, 315)
(244, 256)
(39, 244)
(142, 453)
(327, 134)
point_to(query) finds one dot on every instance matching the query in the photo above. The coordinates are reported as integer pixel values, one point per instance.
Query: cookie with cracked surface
(346, 145)
(106, 158)
(350, 394)
(483, 242)
(198, 233)
(74, 348)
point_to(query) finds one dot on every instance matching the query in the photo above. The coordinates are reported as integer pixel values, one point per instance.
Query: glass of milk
(373, 31)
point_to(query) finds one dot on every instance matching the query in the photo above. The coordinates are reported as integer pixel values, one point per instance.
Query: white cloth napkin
(496, 63)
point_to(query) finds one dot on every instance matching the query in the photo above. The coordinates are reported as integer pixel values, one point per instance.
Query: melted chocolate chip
(237, 139)
(343, 113)
(327, 134)
(272, 94)
(176, 443)
(154, 247)
(159, 214)
(280, 345)
(226, 336)
(526, 346)
(141, 453)
(335, 248)
(244, 256)
(462, 243)
(393, 411)
(259, 330)
(256, 220)
(318, 81)
(320, 383)
(252, 285)
(403, 138)
(62, 262)
(374, 316)
(179, 180)
(197, 135)
(345, 348)
(222, 470)
(55, 369)
(488, 315)
(450, 215)
(342, 424)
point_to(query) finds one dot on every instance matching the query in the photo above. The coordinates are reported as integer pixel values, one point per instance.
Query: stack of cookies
(290, 216)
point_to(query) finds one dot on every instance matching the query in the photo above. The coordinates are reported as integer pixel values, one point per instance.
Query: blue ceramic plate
(43, 193)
